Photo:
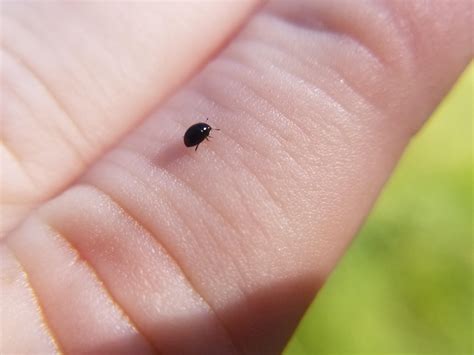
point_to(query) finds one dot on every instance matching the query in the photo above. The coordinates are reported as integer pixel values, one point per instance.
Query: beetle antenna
(217, 129)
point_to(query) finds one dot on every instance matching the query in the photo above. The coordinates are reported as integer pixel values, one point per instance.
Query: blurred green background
(405, 285)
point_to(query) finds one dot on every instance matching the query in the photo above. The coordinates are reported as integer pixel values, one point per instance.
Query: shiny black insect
(197, 133)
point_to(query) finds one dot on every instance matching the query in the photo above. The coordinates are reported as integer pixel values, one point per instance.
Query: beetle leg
(196, 147)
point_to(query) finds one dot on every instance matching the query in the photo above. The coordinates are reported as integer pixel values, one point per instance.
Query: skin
(118, 239)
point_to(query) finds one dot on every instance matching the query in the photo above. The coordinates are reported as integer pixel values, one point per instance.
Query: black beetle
(196, 134)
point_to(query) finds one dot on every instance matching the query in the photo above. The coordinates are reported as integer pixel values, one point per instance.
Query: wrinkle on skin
(90, 73)
(19, 301)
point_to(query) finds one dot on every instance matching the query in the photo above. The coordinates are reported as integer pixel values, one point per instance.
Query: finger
(77, 76)
(314, 110)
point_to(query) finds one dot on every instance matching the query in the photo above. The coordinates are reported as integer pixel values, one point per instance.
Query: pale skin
(117, 238)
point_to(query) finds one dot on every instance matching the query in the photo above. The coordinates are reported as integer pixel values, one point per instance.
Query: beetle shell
(196, 134)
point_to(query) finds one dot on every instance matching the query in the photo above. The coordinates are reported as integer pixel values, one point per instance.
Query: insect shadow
(170, 154)
(193, 137)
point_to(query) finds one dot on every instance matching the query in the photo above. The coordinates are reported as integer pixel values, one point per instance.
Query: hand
(118, 238)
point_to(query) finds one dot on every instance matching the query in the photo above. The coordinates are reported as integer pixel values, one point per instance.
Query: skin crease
(63, 95)
(157, 248)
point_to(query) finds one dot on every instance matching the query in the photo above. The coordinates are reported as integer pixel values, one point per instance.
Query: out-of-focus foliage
(406, 284)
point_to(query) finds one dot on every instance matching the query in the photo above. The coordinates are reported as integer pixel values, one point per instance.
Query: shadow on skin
(171, 153)
(260, 324)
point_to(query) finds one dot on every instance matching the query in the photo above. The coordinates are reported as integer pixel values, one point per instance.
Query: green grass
(406, 284)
